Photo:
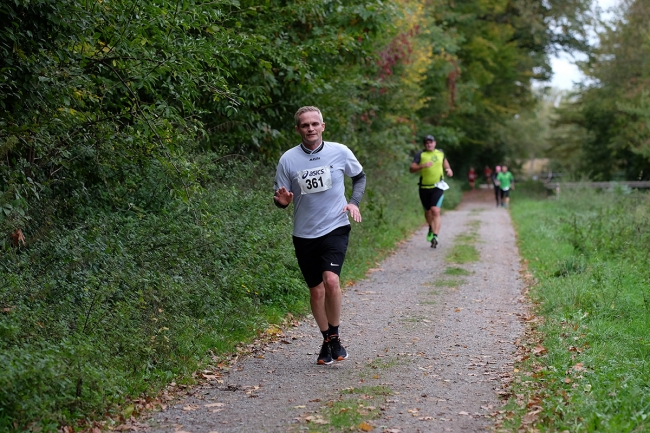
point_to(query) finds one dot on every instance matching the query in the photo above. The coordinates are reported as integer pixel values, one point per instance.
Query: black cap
(428, 137)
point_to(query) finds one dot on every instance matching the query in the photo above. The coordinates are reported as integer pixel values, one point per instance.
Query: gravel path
(443, 345)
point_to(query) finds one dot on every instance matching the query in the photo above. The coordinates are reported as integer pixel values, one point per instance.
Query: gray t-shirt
(317, 183)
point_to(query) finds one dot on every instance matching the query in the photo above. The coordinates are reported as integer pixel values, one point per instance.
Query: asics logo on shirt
(313, 173)
(314, 159)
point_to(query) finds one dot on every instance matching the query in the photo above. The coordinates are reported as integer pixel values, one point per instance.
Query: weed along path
(431, 335)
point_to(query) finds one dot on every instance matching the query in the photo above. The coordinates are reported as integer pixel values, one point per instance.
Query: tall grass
(589, 252)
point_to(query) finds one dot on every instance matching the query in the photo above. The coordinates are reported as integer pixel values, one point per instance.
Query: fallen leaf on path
(425, 418)
(364, 426)
(462, 412)
(191, 407)
(214, 405)
(392, 430)
(302, 406)
(273, 330)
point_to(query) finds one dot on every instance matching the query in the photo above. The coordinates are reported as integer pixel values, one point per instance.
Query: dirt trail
(442, 344)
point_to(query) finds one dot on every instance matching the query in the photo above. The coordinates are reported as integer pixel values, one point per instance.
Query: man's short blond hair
(306, 109)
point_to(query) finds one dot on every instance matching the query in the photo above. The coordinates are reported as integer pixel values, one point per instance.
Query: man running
(506, 182)
(495, 182)
(487, 172)
(430, 163)
(311, 176)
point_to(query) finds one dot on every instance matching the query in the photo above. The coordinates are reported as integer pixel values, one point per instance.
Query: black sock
(325, 334)
(435, 234)
(334, 330)
(430, 230)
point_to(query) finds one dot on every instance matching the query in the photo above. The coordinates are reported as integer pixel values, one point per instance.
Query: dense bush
(119, 303)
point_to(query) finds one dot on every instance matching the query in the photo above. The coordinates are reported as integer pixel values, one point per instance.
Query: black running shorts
(318, 255)
(431, 197)
(505, 193)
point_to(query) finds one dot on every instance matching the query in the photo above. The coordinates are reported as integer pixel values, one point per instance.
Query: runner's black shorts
(325, 253)
(431, 197)
(505, 193)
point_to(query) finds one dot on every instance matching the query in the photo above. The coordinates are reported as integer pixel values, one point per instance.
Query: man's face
(430, 145)
(504, 169)
(311, 129)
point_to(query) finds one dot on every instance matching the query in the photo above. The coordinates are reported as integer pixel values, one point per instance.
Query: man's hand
(283, 196)
(354, 212)
(449, 172)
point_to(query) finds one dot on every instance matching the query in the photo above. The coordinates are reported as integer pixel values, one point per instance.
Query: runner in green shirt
(506, 182)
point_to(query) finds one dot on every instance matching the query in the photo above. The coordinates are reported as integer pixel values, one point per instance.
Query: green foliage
(609, 117)
(94, 93)
(593, 293)
(126, 302)
(481, 71)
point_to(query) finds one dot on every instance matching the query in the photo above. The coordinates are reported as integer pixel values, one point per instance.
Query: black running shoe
(325, 355)
(434, 242)
(338, 352)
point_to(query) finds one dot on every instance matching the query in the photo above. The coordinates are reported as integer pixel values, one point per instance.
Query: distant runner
(487, 172)
(506, 182)
(311, 175)
(430, 163)
(471, 178)
(495, 182)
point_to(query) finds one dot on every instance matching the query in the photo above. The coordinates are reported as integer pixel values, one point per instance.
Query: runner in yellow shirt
(430, 164)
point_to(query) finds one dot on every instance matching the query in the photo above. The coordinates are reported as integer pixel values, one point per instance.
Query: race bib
(315, 180)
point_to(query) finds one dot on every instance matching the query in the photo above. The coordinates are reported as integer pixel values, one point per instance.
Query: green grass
(589, 253)
(454, 282)
(453, 271)
(463, 251)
